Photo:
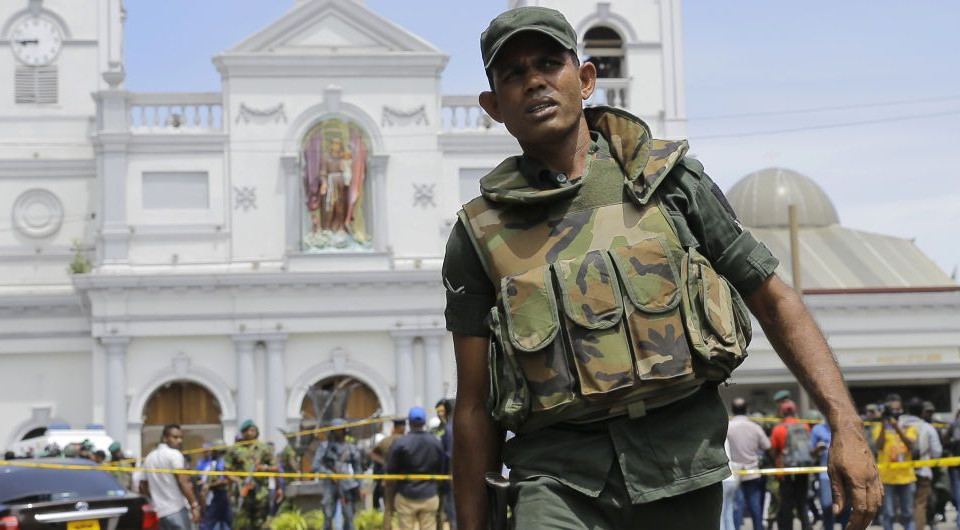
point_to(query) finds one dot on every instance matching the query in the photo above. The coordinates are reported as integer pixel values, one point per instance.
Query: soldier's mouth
(541, 107)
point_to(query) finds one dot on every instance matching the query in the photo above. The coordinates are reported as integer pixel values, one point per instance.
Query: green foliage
(294, 519)
(314, 519)
(291, 520)
(80, 263)
(368, 520)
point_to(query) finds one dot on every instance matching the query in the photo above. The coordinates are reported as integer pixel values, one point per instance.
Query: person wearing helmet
(342, 457)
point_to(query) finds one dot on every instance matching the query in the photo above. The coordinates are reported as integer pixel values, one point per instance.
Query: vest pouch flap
(652, 295)
(649, 277)
(530, 307)
(593, 310)
(591, 295)
(533, 325)
(717, 304)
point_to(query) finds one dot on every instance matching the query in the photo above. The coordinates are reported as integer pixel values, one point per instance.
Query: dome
(761, 200)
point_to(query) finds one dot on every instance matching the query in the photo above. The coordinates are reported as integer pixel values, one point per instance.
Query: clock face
(36, 41)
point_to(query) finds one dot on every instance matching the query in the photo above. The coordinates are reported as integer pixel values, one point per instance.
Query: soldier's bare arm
(797, 339)
(476, 444)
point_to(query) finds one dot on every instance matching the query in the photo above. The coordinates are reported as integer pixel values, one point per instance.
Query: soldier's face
(251, 433)
(538, 89)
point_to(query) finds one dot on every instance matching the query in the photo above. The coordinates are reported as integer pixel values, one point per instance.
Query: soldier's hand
(853, 475)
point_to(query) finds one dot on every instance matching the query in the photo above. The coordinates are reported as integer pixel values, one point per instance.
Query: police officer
(338, 455)
(607, 271)
(251, 495)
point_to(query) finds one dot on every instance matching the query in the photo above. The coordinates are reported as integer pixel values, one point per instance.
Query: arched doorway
(187, 404)
(339, 396)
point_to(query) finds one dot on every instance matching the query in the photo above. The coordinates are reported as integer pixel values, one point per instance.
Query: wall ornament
(393, 117)
(423, 195)
(275, 114)
(245, 198)
(37, 213)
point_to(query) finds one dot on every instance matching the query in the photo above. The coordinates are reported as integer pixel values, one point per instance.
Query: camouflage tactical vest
(600, 311)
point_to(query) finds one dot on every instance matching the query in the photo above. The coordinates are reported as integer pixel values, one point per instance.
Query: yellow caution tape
(774, 419)
(951, 461)
(242, 474)
(316, 430)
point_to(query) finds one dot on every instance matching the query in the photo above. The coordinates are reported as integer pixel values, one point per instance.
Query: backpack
(796, 450)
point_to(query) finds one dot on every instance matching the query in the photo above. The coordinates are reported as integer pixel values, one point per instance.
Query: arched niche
(329, 228)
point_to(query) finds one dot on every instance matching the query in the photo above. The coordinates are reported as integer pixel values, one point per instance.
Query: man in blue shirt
(417, 452)
(214, 494)
(820, 449)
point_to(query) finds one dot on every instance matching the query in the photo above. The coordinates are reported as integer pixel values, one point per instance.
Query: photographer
(895, 444)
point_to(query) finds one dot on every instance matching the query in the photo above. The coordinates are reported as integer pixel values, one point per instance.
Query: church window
(335, 161)
(604, 48)
(36, 84)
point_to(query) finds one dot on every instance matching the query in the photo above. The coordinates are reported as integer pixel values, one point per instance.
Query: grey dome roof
(761, 199)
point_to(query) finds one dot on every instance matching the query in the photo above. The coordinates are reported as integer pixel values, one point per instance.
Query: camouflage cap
(550, 22)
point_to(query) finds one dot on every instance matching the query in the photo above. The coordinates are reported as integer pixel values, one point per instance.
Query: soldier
(251, 504)
(117, 459)
(595, 288)
(336, 455)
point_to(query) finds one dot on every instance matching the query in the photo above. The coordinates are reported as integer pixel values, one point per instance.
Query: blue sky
(895, 177)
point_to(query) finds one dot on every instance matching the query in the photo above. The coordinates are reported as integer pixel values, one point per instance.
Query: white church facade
(207, 258)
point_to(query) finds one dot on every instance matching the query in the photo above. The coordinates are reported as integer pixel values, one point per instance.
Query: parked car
(37, 498)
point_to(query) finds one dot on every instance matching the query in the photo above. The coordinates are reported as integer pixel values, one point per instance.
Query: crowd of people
(214, 501)
(897, 431)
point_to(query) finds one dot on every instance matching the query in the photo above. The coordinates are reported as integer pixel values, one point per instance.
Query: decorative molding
(249, 114)
(423, 195)
(407, 65)
(494, 141)
(48, 169)
(37, 213)
(245, 198)
(392, 117)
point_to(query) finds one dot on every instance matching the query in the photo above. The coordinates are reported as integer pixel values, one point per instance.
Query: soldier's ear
(588, 79)
(488, 100)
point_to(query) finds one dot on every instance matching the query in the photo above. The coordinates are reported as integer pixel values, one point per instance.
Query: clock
(36, 41)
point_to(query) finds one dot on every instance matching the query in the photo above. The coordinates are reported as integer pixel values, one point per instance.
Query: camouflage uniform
(250, 512)
(615, 299)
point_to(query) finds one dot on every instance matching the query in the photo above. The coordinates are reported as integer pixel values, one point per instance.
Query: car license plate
(83, 525)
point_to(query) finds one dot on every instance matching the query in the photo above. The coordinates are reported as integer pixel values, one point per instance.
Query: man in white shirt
(747, 442)
(170, 493)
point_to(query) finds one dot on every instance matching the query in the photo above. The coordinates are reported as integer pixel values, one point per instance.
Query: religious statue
(334, 159)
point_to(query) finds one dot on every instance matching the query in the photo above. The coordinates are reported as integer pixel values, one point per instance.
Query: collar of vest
(645, 162)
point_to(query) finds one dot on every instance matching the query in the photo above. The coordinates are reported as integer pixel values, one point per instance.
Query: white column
(276, 391)
(246, 380)
(115, 407)
(433, 368)
(403, 345)
(954, 396)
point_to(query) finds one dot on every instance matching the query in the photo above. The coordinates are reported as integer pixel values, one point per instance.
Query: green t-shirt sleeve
(705, 219)
(470, 293)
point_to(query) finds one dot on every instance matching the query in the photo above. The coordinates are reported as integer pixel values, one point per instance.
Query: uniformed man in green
(594, 295)
(251, 495)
